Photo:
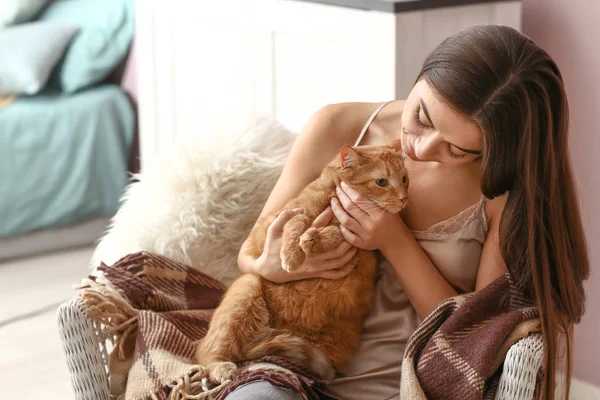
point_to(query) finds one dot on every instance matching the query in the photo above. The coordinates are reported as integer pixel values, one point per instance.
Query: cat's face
(378, 172)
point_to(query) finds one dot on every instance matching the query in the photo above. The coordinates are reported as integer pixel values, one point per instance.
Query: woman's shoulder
(352, 110)
(344, 120)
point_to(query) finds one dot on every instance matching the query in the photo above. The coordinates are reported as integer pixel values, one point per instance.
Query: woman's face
(432, 131)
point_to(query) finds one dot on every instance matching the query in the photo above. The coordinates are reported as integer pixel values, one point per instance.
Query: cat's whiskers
(379, 208)
(367, 205)
(373, 207)
(365, 202)
(381, 212)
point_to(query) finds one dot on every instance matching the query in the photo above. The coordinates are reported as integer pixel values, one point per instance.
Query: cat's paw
(221, 372)
(292, 257)
(309, 240)
(320, 240)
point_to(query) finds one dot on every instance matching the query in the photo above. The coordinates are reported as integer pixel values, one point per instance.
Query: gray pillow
(29, 52)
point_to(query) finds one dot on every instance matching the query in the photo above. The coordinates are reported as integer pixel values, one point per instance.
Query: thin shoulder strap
(369, 121)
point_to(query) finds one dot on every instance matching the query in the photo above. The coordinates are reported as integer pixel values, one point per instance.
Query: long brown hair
(514, 91)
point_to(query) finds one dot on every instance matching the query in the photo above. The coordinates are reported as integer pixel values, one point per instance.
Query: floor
(31, 358)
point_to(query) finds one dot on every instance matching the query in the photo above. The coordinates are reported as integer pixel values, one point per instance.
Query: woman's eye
(418, 121)
(404, 180)
(453, 154)
(381, 182)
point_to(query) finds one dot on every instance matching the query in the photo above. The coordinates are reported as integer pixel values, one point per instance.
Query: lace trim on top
(454, 224)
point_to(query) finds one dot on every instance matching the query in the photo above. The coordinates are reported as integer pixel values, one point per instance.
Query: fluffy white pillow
(198, 201)
(18, 11)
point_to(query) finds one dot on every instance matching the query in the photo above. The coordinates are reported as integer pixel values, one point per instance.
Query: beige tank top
(454, 246)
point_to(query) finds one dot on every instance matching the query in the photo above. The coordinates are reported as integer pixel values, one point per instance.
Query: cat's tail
(294, 347)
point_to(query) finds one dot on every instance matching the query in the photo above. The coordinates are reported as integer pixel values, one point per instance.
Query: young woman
(485, 134)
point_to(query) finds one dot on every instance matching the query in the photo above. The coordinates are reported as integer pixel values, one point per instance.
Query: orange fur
(316, 321)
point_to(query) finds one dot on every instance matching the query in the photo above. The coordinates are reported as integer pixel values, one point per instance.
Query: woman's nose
(425, 146)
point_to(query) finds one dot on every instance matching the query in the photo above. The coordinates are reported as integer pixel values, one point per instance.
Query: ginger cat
(315, 321)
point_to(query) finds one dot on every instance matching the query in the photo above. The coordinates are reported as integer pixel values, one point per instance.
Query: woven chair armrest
(86, 351)
(519, 375)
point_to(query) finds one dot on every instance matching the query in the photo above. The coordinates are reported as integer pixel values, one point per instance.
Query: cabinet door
(309, 55)
(195, 66)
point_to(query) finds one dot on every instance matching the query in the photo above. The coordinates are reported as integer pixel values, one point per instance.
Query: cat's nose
(403, 200)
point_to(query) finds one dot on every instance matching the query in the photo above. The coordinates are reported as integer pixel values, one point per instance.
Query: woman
(485, 132)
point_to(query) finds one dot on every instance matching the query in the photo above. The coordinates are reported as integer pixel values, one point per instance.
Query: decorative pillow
(29, 52)
(106, 31)
(197, 201)
(18, 11)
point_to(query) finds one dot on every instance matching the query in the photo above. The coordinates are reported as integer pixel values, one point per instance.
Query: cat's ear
(396, 145)
(349, 156)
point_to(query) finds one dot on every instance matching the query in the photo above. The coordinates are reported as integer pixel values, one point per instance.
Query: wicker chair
(87, 349)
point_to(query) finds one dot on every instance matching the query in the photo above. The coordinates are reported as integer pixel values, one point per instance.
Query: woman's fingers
(276, 227)
(342, 215)
(323, 219)
(350, 205)
(338, 252)
(353, 200)
(335, 267)
(337, 273)
(350, 237)
(335, 263)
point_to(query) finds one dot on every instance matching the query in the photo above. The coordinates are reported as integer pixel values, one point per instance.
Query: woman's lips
(410, 151)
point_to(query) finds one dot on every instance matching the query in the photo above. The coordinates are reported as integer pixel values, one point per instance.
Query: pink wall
(569, 30)
(129, 81)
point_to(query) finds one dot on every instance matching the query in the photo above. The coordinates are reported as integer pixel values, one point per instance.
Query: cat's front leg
(292, 255)
(320, 240)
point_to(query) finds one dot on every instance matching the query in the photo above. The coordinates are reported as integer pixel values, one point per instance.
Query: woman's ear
(349, 156)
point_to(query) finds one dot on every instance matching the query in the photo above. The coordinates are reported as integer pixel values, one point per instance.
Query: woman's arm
(420, 279)
(491, 265)
(320, 140)
(423, 283)
(324, 134)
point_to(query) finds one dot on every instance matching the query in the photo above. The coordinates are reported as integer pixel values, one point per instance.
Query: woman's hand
(363, 223)
(328, 265)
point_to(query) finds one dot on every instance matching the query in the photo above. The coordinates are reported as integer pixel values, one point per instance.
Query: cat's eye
(404, 180)
(381, 182)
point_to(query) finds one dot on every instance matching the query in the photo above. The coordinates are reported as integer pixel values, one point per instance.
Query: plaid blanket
(157, 310)
(458, 350)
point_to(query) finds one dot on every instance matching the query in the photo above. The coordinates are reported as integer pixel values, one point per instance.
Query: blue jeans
(262, 390)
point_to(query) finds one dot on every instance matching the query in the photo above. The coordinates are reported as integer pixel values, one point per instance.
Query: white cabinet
(315, 54)
(201, 62)
(194, 62)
